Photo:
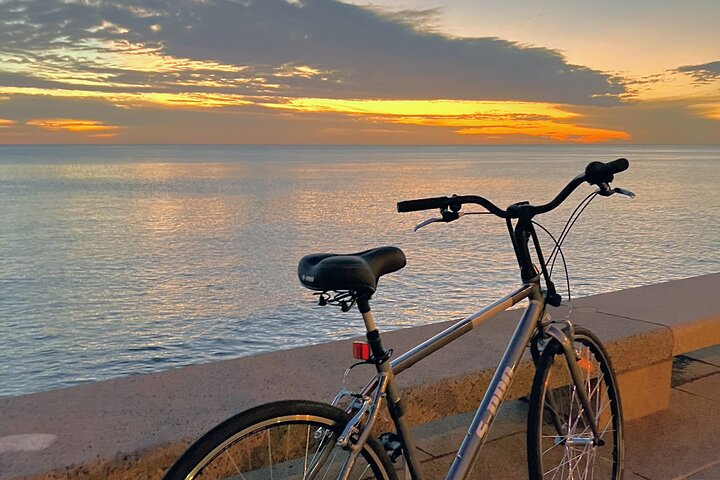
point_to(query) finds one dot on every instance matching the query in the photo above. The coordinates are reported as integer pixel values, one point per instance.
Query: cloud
(330, 49)
(664, 121)
(703, 74)
(314, 71)
(427, 20)
(551, 130)
(467, 117)
(709, 110)
(89, 127)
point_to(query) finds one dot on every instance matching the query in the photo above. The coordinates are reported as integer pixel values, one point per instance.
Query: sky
(387, 72)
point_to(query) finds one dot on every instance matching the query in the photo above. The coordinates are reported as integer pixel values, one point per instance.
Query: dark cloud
(356, 52)
(657, 121)
(705, 73)
(427, 20)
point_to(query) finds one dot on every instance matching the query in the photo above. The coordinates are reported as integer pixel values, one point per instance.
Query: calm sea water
(121, 260)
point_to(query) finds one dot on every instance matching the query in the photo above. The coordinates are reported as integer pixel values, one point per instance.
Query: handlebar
(453, 203)
(596, 173)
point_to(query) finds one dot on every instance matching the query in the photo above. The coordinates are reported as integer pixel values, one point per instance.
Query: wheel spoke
(555, 445)
(568, 460)
(362, 474)
(269, 453)
(232, 460)
(327, 468)
(307, 449)
(287, 446)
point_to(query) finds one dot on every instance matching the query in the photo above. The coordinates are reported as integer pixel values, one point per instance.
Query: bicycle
(574, 425)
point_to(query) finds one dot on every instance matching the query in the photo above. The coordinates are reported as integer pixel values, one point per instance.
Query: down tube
(495, 393)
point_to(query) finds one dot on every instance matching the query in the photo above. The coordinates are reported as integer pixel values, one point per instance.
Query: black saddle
(358, 272)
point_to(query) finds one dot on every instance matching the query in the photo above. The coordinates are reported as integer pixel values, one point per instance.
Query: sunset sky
(386, 72)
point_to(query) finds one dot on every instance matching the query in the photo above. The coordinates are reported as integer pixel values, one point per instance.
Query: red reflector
(361, 351)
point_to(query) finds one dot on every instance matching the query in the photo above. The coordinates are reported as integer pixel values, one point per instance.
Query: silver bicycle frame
(529, 323)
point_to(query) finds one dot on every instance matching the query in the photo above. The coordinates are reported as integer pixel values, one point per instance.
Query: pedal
(391, 442)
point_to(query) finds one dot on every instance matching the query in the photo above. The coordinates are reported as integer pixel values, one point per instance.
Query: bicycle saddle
(357, 271)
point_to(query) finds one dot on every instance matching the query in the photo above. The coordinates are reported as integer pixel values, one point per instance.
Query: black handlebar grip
(422, 204)
(599, 172)
(617, 166)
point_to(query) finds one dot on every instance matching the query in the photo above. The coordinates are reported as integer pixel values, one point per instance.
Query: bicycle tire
(229, 450)
(555, 444)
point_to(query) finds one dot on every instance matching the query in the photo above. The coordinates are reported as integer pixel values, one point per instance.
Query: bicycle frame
(534, 319)
(348, 279)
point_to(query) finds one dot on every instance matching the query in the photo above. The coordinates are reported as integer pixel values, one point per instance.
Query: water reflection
(117, 261)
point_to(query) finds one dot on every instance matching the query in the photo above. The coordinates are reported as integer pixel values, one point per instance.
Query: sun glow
(188, 100)
(491, 118)
(440, 108)
(710, 111)
(553, 130)
(77, 126)
(139, 58)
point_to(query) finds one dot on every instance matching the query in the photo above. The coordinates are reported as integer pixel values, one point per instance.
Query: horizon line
(582, 145)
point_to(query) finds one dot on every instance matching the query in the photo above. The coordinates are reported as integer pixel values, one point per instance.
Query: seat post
(380, 356)
(364, 307)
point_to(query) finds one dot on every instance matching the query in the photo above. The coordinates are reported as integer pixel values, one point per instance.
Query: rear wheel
(281, 440)
(559, 441)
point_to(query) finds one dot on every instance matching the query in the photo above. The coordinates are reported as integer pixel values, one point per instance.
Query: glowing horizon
(471, 117)
(337, 73)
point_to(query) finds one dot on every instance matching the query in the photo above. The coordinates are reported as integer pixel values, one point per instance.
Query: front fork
(564, 334)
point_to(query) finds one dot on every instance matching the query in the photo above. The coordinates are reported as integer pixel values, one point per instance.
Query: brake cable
(557, 249)
(562, 256)
(569, 224)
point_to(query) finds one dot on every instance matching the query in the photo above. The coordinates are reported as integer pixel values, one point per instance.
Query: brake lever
(605, 190)
(622, 191)
(426, 223)
(448, 217)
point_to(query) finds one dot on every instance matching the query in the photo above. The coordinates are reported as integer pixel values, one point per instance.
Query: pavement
(680, 443)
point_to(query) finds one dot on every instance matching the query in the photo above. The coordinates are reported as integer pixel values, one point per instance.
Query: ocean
(119, 260)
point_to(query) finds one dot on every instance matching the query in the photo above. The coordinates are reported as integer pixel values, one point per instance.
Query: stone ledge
(133, 427)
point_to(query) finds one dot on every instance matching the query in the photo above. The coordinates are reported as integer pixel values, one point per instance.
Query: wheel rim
(301, 447)
(567, 450)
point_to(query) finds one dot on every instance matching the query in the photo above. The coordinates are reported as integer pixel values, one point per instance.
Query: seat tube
(395, 401)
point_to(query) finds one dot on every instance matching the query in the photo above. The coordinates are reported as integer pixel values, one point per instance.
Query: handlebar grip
(422, 204)
(599, 172)
(617, 166)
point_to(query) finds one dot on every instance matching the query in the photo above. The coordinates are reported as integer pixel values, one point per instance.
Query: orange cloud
(711, 111)
(440, 108)
(471, 117)
(6, 123)
(92, 127)
(188, 100)
(556, 131)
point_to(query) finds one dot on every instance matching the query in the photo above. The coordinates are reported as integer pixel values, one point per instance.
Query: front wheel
(559, 441)
(280, 440)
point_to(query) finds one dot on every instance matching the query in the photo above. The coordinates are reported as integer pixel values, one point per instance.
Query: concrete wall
(135, 427)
